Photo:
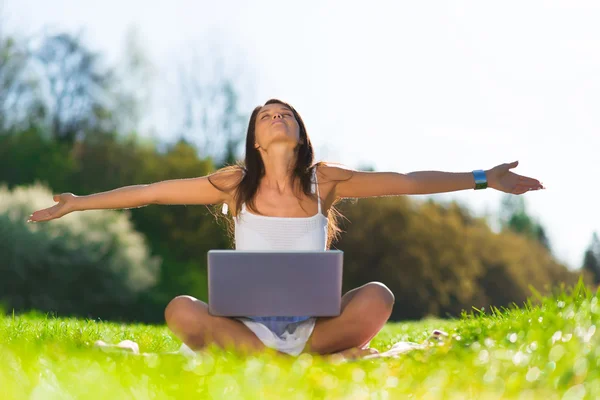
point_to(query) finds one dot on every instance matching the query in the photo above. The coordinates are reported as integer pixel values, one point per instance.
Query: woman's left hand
(500, 178)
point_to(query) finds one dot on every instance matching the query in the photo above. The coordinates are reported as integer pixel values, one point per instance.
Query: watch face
(480, 179)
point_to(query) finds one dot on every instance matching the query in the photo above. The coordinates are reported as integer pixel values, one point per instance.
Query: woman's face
(275, 123)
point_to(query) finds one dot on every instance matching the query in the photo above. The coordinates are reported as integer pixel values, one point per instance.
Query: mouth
(276, 122)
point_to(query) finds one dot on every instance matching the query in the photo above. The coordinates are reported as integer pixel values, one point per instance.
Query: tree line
(69, 123)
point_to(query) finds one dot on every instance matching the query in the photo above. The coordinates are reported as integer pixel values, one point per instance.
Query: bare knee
(378, 296)
(373, 311)
(373, 307)
(181, 309)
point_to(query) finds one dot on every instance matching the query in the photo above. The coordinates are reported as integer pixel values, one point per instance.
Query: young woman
(281, 200)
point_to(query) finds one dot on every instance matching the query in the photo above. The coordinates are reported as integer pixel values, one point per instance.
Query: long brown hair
(249, 173)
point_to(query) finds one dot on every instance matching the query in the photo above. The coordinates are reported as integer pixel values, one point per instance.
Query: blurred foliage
(180, 235)
(591, 259)
(59, 84)
(514, 217)
(85, 264)
(439, 260)
(79, 149)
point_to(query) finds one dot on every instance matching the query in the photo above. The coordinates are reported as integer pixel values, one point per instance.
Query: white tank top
(260, 232)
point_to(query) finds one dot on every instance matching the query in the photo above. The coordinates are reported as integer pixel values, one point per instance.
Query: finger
(530, 186)
(528, 181)
(42, 215)
(37, 218)
(526, 188)
(520, 189)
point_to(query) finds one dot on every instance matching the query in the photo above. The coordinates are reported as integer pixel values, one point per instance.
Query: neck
(279, 165)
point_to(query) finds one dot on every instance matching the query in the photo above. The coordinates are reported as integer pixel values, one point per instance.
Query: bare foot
(401, 348)
(404, 347)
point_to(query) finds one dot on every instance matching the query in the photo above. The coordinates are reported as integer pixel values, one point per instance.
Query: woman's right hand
(66, 204)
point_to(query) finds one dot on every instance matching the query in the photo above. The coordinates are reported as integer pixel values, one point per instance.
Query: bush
(438, 259)
(90, 263)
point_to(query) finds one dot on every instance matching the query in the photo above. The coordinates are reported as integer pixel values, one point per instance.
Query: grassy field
(548, 351)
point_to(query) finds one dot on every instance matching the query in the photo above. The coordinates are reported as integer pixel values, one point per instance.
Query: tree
(420, 250)
(438, 259)
(17, 106)
(136, 75)
(87, 264)
(77, 86)
(209, 110)
(514, 217)
(366, 167)
(84, 141)
(58, 83)
(591, 260)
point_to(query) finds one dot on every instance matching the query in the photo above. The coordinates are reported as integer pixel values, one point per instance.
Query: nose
(277, 115)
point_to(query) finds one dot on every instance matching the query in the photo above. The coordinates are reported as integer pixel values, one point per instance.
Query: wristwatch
(480, 179)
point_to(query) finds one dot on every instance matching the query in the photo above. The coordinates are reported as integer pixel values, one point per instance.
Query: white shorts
(291, 343)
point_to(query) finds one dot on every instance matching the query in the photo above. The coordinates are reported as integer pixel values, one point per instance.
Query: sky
(400, 86)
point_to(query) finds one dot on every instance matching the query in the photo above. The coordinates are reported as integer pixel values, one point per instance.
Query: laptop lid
(274, 283)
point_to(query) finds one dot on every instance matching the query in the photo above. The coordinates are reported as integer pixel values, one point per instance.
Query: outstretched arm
(356, 184)
(174, 191)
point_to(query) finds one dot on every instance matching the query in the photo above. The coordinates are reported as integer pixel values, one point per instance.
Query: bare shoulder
(227, 179)
(330, 176)
(333, 172)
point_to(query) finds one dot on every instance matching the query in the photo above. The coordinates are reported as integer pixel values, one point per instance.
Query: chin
(281, 134)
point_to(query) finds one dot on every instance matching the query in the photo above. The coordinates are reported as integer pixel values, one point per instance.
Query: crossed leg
(365, 310)
(189, 320)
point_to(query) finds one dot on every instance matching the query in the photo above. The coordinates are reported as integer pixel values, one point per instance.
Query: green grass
(548, 351)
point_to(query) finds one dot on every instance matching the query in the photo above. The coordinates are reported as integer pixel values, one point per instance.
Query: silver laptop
(275, 283)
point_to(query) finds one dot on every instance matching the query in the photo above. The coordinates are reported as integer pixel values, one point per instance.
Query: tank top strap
(316, 188)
